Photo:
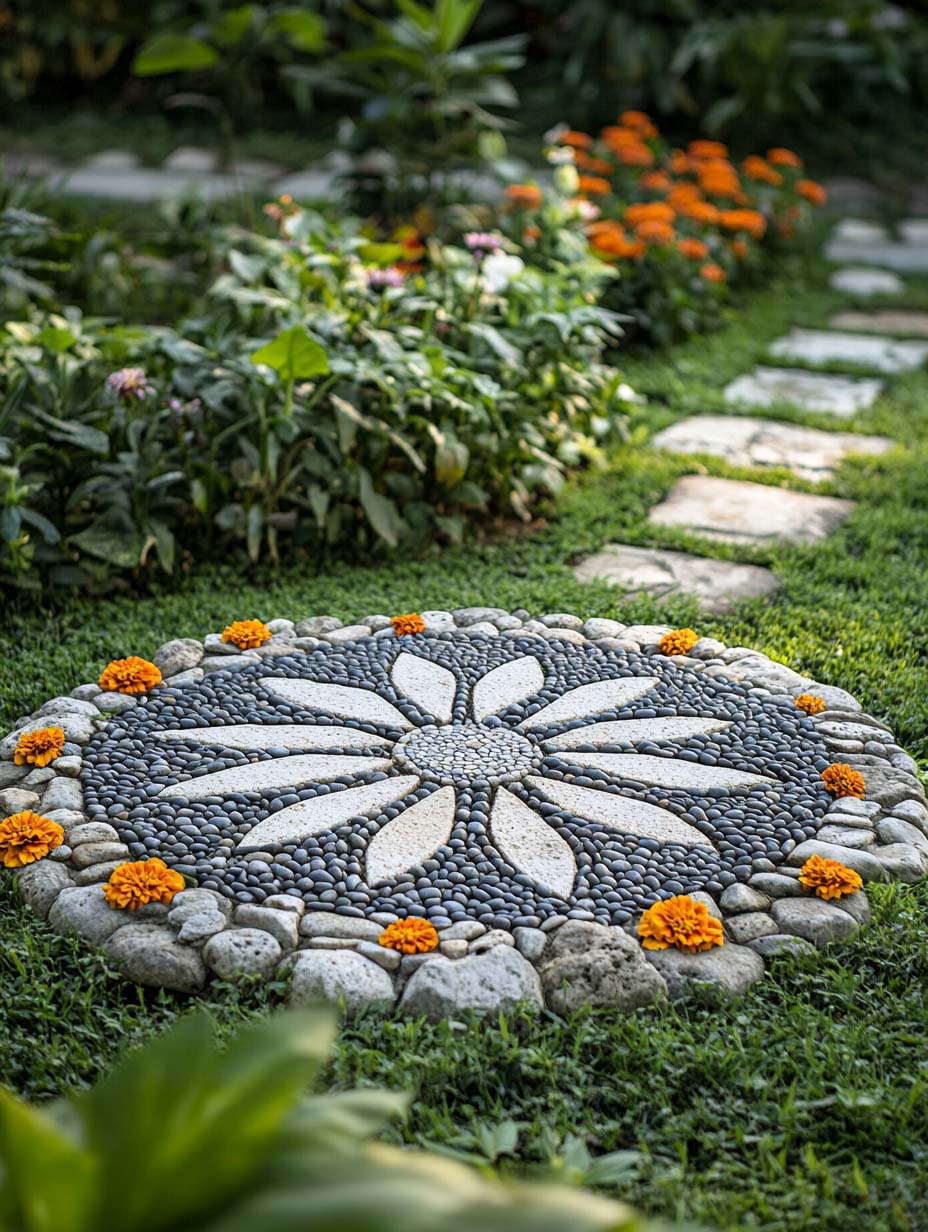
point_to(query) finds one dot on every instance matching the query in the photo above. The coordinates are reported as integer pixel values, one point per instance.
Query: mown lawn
(803, 1105)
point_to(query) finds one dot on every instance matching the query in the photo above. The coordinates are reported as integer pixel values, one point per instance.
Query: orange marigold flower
(615, 246)
(26, 837)
(596, 166)
(678, 641)
(699, 211)
(707, 149)
(635, 156)
(145, 881)
(411, 623)
(593, 186)
(246, 634)
(783, 158)
(718, 178)
(639, 122)
(829, 878)
(712, 272)
(744, 220)
(412, 936)
(615, 135)
(649, 211)
(38, 748)
(739, 247)
(757, 168)
(680, 922)
(843, 780)
(524, 196)
(680, 163)
(811, 191)
(132, 675)
(810, 703)
(653, 231)
(532, 234)
(655, 181)
(695, 249)
(579, 141)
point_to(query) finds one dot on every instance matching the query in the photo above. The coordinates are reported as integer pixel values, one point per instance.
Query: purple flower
(482, 243)
(185, 410)
(380, 279)
(130, 385)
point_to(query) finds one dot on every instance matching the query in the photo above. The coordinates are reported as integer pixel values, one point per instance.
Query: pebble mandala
(527, 788)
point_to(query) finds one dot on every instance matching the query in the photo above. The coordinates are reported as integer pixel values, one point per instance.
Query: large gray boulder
(41, 883)
(241, 953)
(341, 976)
(497, 980)
(589, 964)
(814, 920)
(84, 910)
(729, 969)
(149, 954)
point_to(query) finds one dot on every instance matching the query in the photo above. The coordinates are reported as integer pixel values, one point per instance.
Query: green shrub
(183, 1136)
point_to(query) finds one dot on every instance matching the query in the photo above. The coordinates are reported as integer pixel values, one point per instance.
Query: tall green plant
(181, 1136)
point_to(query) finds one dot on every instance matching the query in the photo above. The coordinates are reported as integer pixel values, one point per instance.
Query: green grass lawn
(803, 1105)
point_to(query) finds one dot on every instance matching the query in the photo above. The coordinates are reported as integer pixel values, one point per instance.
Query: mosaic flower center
(468, 753)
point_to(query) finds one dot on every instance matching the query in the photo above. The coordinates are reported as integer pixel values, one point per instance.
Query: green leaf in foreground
(294, 355)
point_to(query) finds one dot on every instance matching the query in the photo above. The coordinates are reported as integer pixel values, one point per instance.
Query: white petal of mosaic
(496, 784)
(412, 837)
(527, 842)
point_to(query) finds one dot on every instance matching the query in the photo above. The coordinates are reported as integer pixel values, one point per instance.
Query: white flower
(485, 749)
(498, 271)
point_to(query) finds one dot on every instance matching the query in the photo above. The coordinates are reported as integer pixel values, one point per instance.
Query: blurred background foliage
(777, 71)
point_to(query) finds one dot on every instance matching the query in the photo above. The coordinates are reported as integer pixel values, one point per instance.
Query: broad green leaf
(168, 52)
(84, 436)
(41, 523)
(230, 27)
(57, 340)
(247, 267)
(294, 354)
(381, 254)
(380, 511)
(110, 541)
(302, 29)
(46, 1179)
(451, 459)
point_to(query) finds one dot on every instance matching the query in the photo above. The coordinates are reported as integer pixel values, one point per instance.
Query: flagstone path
(886, 341)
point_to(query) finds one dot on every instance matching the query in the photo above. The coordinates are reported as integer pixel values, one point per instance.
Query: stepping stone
(717, 584)
(734, 511)
(306, 185)
(864, 281)
(145, 184)
(859, 231)
(853, 194)
(807, 452)
(192, 159)
(890, 320)
(914, 230)
(813, 391)
(822, 346)
(906, 258)
(112, 160)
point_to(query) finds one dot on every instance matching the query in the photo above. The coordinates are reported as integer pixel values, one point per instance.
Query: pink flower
(481, 243)
(130, 385)
(380, 279)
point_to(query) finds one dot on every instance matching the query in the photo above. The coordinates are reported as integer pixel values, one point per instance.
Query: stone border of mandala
(568, 962)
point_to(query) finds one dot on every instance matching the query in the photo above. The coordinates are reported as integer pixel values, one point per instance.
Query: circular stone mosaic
(492, 784)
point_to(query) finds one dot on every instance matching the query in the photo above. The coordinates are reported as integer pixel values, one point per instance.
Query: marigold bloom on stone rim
(680, 922)
(678, 641)
(26, 837)
(843, 780)
(132, 675)
(144, 881)
(246, 634)
(810, 703)
(38, 748)
(411, 936)
(829, 878)
(409, 623)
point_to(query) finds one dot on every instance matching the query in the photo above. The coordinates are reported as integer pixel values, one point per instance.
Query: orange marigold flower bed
(639, 122)
(410, 936)
(615, 246)
(593, 186)
(524, 196)
(783, 158)
(678, 641)
(132, 675)
(695, 249)
(596, 166)
(649, 211)
(680, 163)
(757, 168)
(26, 837)
(712, 272)
(843, 780)
(654, 231)
(633, 155)
(811, 191)
(655, 181)
(246, 634)
(829, 878)
(680, 922)
(410, 622)
(810, 703)
(739, 247)
(699, 211)
(38, 748)
(744, 220)
(145, 881)
(719, 181)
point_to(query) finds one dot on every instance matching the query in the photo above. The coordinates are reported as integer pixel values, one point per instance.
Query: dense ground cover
(802, 1104)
